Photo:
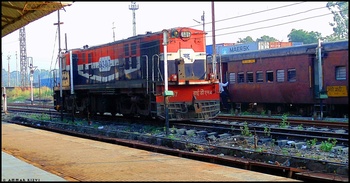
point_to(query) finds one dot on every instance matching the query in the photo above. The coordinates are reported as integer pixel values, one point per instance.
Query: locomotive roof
(149, 33)
(285, 51)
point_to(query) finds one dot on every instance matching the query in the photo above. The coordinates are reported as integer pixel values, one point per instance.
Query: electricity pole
(214, 44)
(60, 62)
(202, 19)
(113, 31)
(32, 69)
(8, 65)
(23, 57)
(16, 71)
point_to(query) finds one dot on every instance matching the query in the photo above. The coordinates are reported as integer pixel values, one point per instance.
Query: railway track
(293, 121)
(201, 148)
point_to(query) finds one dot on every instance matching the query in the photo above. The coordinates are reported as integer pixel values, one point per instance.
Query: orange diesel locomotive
(127, 77)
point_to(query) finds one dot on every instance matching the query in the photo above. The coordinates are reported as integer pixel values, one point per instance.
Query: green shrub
(311, 143)
(284, 123)
(327, 146)
(245, 130)
(267, 131)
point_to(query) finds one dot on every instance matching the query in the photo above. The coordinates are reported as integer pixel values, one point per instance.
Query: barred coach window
(340, 73)
(240, 77)
(269, 76)
(280, 75)
(292, 75)
(232, 77)
(250, 77)
(259, 77)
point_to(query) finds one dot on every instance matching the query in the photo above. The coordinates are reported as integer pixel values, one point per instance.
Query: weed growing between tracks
(242, 143)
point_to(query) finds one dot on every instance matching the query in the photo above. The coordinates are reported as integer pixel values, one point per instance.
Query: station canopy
(16, 14)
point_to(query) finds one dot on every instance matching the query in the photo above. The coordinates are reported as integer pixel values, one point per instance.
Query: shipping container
(297, 43)
(209, 48)
(262, 45)
(245, 47)
(280, 44)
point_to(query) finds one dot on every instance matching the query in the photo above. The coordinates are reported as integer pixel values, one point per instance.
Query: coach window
(340, 73)
(241, 77)
(232, 77)
(250, 78)
(269, 76)
(292, 75)
(259, 77)
(280, 75)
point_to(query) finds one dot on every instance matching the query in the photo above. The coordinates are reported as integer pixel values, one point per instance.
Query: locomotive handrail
(159, 73)
(153, 70)
(146, 71)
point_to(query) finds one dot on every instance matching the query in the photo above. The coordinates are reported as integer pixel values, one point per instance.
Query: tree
(304, 36)
(341, 20)
(266, 39)
(248, 39)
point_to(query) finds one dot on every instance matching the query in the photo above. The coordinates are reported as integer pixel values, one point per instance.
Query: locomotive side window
(292, 75)
(126, 49)
(133, 48)
(126, 53)
(259, 77)
(83, 58)
(240, 77)
(232, 77)
(84, 61)
(250, 78)
(127, 64)
(90, 58)
(269, 76)
(133, 62)
(280, 75)
(340, 73)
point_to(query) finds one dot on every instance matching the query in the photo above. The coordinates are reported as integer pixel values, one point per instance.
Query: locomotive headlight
(173, 77)
(174, 33)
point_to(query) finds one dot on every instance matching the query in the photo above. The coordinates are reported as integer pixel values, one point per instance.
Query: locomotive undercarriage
(101, 103)
(192, 111)
(142, 105)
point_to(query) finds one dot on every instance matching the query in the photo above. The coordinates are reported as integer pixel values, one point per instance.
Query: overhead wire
(258, 28)
(249, 14)
(275, 25)
(270, 19)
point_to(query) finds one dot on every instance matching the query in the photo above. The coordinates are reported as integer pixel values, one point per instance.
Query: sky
(91, 23)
